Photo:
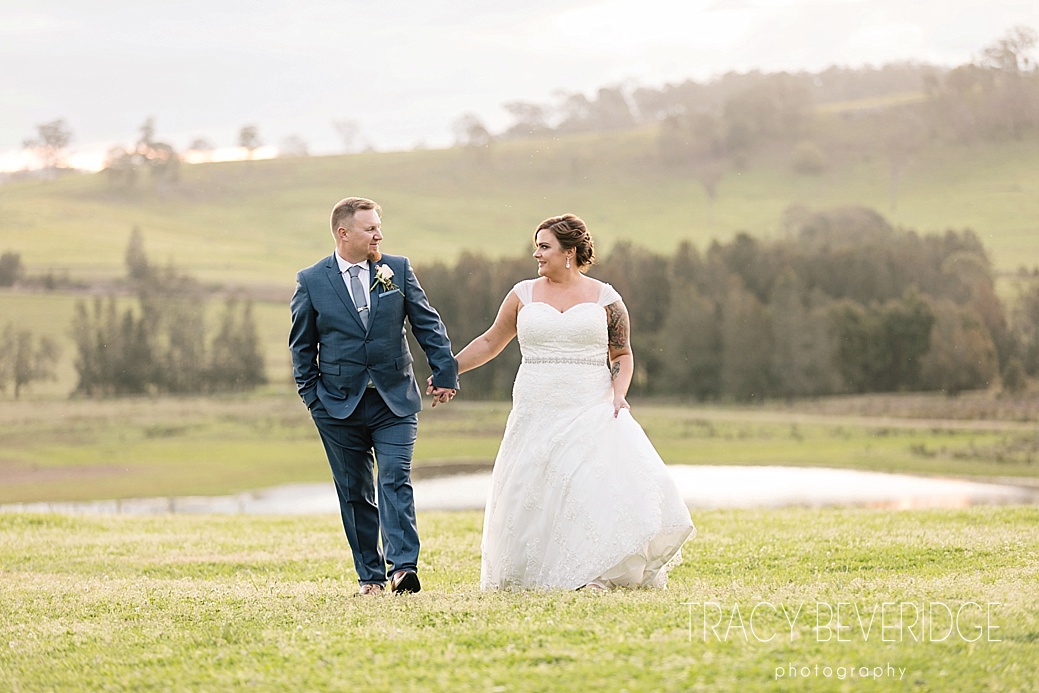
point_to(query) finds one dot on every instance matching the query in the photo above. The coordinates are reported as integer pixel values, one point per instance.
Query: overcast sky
(406, 69)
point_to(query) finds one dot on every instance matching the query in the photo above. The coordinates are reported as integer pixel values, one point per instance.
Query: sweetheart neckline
(561, 312)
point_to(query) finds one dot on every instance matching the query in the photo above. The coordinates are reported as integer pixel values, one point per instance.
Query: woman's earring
(568, 262)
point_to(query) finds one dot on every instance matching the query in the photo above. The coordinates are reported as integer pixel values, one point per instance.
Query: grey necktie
(357, 292)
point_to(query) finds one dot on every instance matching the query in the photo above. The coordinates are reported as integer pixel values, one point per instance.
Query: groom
(352, 366)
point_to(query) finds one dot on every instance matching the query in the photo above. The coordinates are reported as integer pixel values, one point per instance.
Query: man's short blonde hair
(347, 207)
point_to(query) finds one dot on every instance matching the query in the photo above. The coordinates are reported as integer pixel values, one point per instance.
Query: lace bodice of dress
(577, 335)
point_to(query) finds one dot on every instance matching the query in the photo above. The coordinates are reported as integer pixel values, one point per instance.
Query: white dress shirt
(363, 275)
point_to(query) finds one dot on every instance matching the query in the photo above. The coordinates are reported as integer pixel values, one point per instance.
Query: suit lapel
(335, 277)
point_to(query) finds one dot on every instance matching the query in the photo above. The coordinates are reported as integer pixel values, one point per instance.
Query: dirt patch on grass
(18, 476)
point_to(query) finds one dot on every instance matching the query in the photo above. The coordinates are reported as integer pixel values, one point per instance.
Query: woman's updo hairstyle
(571, 232)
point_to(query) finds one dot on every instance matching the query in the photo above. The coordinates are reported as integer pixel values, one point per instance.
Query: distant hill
(253, 223)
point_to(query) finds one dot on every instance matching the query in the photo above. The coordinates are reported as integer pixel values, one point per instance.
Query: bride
(579, 497)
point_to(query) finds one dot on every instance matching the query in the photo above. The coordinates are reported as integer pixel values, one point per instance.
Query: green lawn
(260, 603)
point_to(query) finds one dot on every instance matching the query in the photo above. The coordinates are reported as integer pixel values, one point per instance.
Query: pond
(701, 487)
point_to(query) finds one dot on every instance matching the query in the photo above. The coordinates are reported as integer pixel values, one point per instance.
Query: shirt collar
(344, 265)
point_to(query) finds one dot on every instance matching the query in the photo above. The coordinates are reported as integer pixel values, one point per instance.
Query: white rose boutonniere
(384, 278)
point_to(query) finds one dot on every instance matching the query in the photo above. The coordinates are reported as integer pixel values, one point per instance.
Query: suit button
(368, 340)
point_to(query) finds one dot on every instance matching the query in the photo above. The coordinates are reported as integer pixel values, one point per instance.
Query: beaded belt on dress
(563, 359)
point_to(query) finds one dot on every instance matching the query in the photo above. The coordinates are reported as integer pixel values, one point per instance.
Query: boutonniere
(384, 277)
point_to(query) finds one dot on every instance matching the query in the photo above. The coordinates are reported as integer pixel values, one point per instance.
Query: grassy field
(268, 604)
(254, 223)
(125, 448)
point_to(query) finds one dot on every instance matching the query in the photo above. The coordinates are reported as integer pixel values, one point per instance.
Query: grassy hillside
(256, 222)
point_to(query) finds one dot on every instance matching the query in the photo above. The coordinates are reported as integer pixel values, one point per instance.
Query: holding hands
(441, 395)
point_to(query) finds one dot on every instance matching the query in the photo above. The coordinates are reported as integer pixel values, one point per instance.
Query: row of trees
(124, 165)
(159, 342)
(844, 303)
(994, 94)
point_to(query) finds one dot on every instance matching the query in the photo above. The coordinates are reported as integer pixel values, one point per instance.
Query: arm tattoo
(615, 369)
(617, 325)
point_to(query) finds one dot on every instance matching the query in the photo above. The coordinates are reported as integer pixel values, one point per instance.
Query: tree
(962, 355)
(469, 131)
(777, 108)
(575, 111)
(530, 119)
(201, 144)
(611, 110)
(749, 259)
(293, 145)
(24, 359)
(808, 158)
(50, 144)
(235, 360)
(1012, 52)
(691, 346)
(695, 141)
(159, 157)
(746, 337)
(10, 268)
(961, 104)
(881, 347)
(1025, 322)
(1017, 87)
(137, 267)
(163, 162)
(904, 133)
(147, 133)
(112, 351)
(803, 349)
(249, 139)
(348, 131)
(122, 165)
(995, 96)
(200, 149)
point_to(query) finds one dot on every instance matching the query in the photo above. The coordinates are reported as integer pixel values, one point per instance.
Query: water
(701, 487)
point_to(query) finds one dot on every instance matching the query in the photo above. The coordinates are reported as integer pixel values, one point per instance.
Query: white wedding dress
(576, 494)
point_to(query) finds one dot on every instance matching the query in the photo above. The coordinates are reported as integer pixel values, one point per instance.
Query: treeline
(158, 341)
(997, 94)
(842, 303)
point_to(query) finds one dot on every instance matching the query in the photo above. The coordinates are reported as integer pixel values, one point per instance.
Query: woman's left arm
(622, 363)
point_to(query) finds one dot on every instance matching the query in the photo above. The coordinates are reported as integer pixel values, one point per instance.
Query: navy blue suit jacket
(334, 357)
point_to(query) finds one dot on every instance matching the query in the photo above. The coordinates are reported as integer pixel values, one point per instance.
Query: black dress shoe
(405, 581)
